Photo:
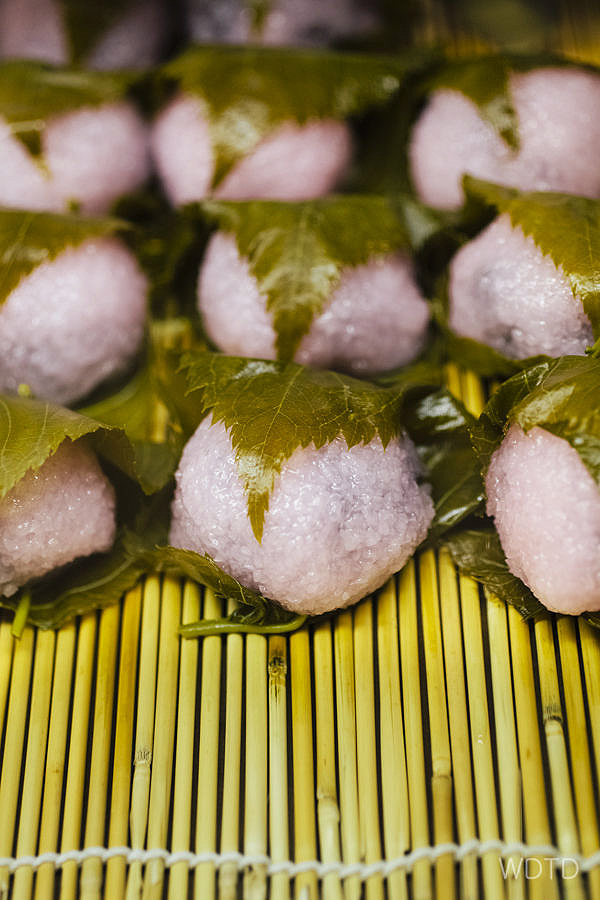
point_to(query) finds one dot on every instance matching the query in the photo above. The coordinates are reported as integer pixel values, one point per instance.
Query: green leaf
(33, 92)
(28, 239)
(560, 395)
(296, 251)
(85, 23)
(439, 425)
(565, 227)
(249, 91)
(271, 408)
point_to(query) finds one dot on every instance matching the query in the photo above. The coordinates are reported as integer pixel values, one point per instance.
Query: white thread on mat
(322, 869)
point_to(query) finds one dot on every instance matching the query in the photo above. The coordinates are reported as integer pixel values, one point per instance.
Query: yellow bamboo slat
(278, 764)
(394, 779)
(441, 766)
(7, 642)
(346, 744)
(413, 729)
(366, 750)
(184, 757)
(256, 767)
(208, 753)
(230, 805)
(164, 735)
(328, 811)
(55, 757)
(305, 831)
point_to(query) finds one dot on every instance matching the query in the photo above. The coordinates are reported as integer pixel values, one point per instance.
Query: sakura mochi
(376, 318)
(310, 23)
(340, 521)
(293, 162)
(36, 29)
(73, 321)
(505, 293)
(558, 113)
(62, 511)
(90, 157)
(546, 508)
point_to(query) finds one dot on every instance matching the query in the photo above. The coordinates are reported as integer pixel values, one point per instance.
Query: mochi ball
(73, 321)
(34, 29)
(294, 162)
(64, 510)
(375, 319)
(91, 157)
(340, 521)
(309, 23)
(546, 507)
(505, 293)
(558, 113)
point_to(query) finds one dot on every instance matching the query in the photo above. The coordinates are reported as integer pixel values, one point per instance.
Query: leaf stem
(21, 614)
(205, 627)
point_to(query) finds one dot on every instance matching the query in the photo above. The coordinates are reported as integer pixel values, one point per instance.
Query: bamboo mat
(427, 743)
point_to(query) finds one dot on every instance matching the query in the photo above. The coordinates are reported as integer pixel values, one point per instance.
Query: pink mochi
(294, 162)
(91, 157)
(546, 507)
(558, 112)
(340, 521)
(73, 321)
(376, 318)
(505, 293)
(64, 510)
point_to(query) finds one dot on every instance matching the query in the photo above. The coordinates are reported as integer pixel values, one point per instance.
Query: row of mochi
(341, 502)
(241, 123)
(330, 283)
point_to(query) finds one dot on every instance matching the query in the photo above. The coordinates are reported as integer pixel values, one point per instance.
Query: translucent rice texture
(33, 29)
(64, 510)
(546, 507)
(375, 320)
(295, 162)
(73, 321)
(310, 23)
(505, 293)
(93, 156)
(339, 522)
(558, 111)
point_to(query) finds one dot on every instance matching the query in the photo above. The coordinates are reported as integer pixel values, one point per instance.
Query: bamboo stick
(413, 728)
(328, 812)
(108, 632)
(164, 735)
(509, 773)
(454, 667)
(184, 756)
(564, 812)
(535, 808)
(144, 733)
(366, 752)
(255, 789)
(208, 752)
(396, 816)
(118, 832)
(346, 737)
(305, 834)
(33, 776)
(76, 766)
(278, 786)
(590, 652)
(230, 806)
(441, 781)
(579, 750)
(18, 704)
(481, 746)
(55, 757)
(7, 642)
